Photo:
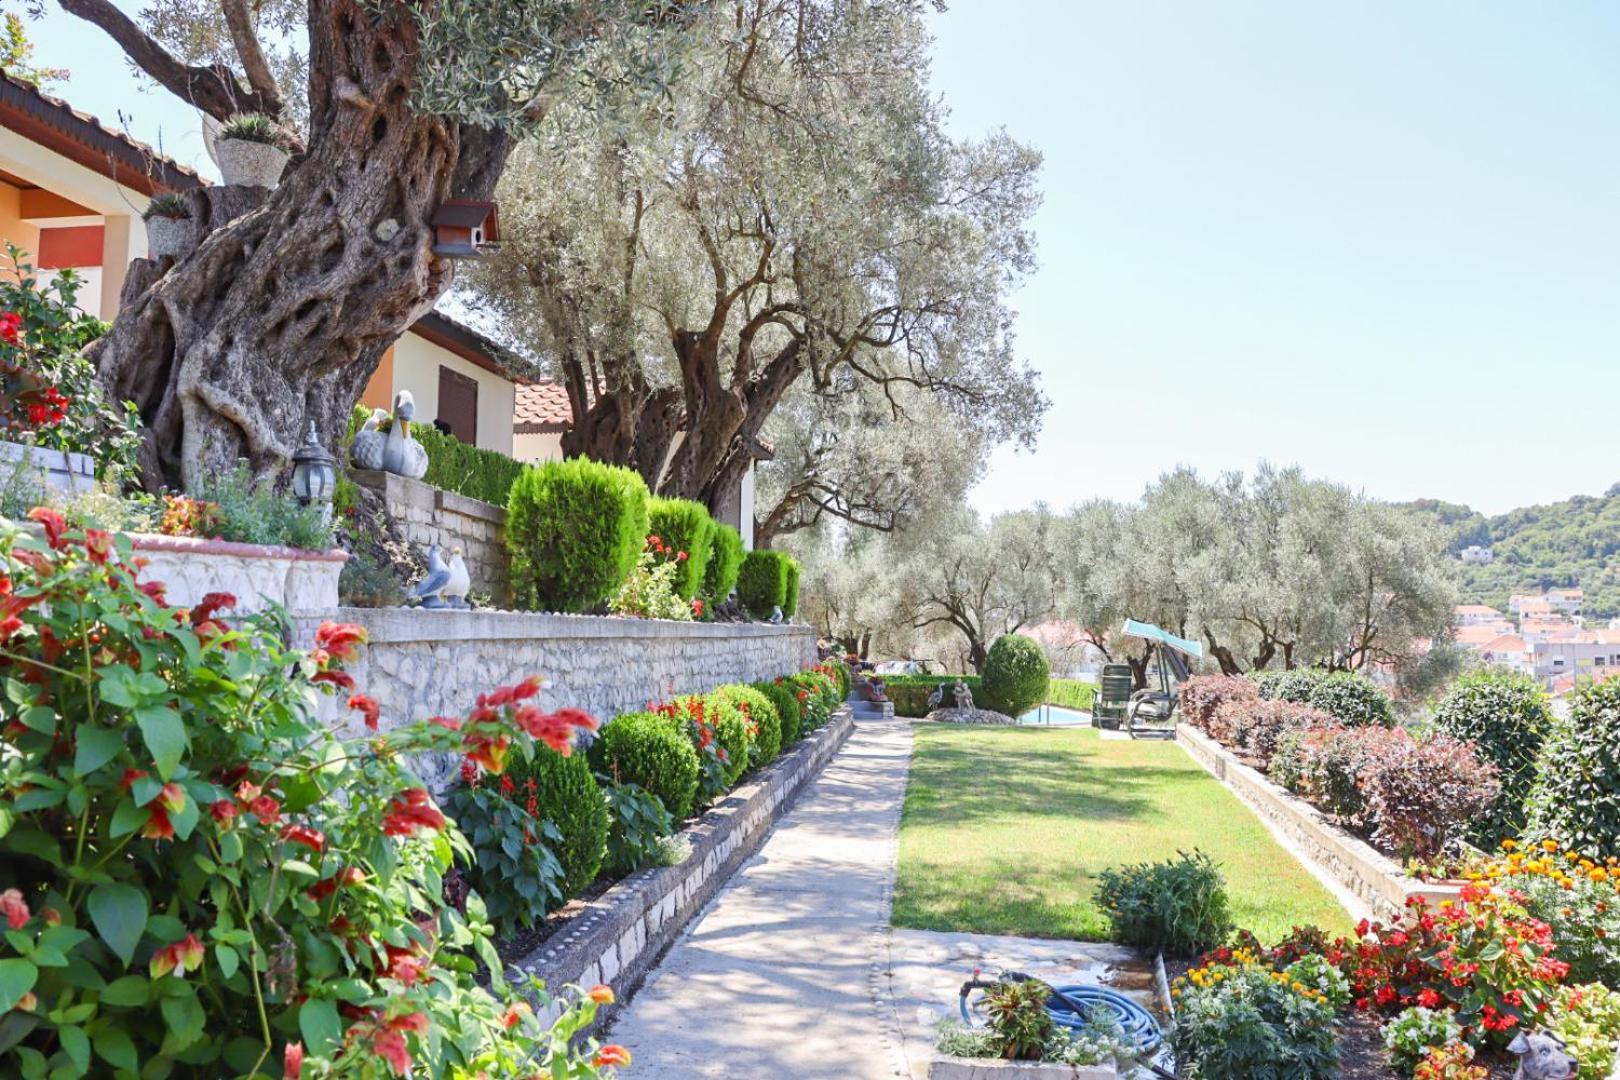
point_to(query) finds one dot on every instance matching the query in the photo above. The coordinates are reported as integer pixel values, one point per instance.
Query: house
(1477, 635)
(1568, 601)
(1475, 555)
(1477, 615)
(71, 195)
(1508, 652)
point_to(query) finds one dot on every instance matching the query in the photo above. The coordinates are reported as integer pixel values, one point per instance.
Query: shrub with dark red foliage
(1420, 793)
(1260, 726)
(1201, 695)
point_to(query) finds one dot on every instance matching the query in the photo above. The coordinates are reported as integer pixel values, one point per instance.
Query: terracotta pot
(251, 164)
(167, 236)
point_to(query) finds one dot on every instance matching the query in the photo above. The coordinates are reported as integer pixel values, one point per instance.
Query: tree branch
(239, 22)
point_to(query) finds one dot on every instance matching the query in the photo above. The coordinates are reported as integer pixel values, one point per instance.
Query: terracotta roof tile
(542, 406)
(1507, 643)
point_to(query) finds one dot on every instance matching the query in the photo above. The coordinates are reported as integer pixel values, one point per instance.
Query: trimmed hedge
(1350, 697)
(765, 742)
(1071, 693)
(574, 530)
(787, 709)
(1577, 794)
(1507, 717)
(910, 693)
(725, 561)
(790, 602)
(762, 583)
(1015, 676)
(567, 798)
(652, 752)
(486, 475)
(685, 526)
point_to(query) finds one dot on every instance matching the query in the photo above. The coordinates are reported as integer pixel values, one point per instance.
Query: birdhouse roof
(469, 214)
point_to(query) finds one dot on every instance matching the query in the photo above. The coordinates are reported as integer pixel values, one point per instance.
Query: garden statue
(964, 696)
(430, 590)
(937, 698)
(1542, 1056)
(394, 450)
(460, 583)
(366, 452)
(875, 689)
(776, 614)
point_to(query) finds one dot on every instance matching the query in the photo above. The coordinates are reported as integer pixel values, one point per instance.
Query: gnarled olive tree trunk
(283, 312)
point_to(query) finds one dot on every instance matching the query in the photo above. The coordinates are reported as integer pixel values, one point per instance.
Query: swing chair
(1151, 713)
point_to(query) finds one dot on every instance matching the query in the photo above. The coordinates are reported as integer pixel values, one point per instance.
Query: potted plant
(251, 151)
(169, 229)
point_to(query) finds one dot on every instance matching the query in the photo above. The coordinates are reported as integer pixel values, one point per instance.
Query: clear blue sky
(1377, 239)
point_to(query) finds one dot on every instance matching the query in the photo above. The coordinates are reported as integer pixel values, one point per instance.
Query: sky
(1380, 240)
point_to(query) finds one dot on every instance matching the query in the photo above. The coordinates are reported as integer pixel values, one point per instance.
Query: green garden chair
(1113, 696)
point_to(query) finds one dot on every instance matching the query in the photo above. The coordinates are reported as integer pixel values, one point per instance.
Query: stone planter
(169, 236)
(995, 1069)
(260, 577)
(58, 470)
(252, 164)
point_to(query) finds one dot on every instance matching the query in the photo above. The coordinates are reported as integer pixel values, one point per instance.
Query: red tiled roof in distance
(542, 407)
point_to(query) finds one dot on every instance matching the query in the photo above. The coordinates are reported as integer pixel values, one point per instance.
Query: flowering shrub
(1415, 1032)
(1507, 717)
(1579, 898)
(1259, 727)
(685, 528)
(1243, 1021)
(1587, 1018)
(818, 697)
(561, 792)
(1321, 974)
(719, 734)
(1483, 956)
(764, 725)
(1201, 695)
(206, 878)
(1421, 793)
(1452, 1062)
(49, 396)
(1178, 905)
(650, 590)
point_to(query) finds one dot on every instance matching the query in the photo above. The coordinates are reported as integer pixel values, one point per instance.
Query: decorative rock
(970, 716)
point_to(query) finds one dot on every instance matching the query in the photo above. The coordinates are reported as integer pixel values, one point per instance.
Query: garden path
(780, 976)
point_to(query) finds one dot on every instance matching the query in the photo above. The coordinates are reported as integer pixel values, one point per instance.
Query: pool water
(1056, 716)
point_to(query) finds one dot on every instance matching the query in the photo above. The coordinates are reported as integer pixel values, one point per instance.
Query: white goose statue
(401, 453)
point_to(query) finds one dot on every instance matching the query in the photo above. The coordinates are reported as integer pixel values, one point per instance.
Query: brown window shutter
(458, 405)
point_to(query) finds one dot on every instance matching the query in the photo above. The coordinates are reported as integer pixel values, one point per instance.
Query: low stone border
(1373, 878)
(994, 1069)
(618, 937)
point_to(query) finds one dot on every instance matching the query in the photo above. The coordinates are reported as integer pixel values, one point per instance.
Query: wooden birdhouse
(465, 229)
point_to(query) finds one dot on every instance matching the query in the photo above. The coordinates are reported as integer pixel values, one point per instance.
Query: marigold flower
(14, 908)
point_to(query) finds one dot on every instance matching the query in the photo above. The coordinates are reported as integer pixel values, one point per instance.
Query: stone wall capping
(402, 625)
(1371, 878)
(627, 929)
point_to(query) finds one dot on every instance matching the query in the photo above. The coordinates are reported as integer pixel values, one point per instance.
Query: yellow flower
(1549, 845)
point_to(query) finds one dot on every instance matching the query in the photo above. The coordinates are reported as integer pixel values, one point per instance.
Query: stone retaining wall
(428, 515)
(423, 663)
(618, 937)
(1376, 880)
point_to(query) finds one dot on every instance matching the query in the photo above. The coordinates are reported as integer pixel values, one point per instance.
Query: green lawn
(1005, 830)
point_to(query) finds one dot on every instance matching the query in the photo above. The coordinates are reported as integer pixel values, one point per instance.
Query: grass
(1006, 829)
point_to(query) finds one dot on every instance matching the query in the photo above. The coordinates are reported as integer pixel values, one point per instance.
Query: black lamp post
(314, 475)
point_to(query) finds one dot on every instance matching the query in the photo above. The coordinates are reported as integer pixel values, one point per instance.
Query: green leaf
(318, 1023)
(128, 991)
(119, 914)
(77, 1045)
(228, 959)
(230, 847)
(114, 1046)
(42, 718)
(165, 735)
(31, 840)
(96, 747)
(17, 977)
(39, 798)
(127, 817)
(185, 1018)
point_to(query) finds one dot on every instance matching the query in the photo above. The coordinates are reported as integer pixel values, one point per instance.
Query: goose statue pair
(394, 450)
(446, 584)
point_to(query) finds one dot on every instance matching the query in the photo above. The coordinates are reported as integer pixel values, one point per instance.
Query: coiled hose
(1079, 1009)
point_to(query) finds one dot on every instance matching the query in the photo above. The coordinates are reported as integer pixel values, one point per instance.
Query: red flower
(488, 751)
(611, 1054)
(390, 1046)
(304, 834)
(223, 812)
(292, 1061)
(367, 707)
(410, 811)
(181, 957)
(339, 640)
(1428, 998)
(10, 327)
(549, 728)
(680, 556)
(99, 543)
(449, 723)
(602, 994)
(173, 797)
(14, 908)
(158, 826)
(578, 718)
(266, 809)
(53, 521)
(514, 1015)
(211, 603)
(341, 679)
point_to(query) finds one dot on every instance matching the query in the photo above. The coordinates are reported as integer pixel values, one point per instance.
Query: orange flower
(411, 811)
(602, 994)
(339, 640)
(367, 707)
(179, 958)
(611, 1054)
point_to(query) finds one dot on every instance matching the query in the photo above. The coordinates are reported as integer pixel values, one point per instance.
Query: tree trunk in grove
(282, 314)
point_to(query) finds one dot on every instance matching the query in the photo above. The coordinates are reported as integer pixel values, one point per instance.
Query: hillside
(1569, 543)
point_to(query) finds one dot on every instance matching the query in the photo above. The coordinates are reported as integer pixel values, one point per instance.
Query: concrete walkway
(784, 974)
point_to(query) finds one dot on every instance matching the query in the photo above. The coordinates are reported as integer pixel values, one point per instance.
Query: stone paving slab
(778, 977)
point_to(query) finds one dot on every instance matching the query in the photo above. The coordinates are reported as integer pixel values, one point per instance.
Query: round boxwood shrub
(766, 739)
(567, 798)
(1506, 716)
(790, 597)
(1349, 697)
(574, 530)
(1576, 798)
(1015, 675)
(762, 583)
(725, 561)
(685, 526)
(786, 703)
(652, 752)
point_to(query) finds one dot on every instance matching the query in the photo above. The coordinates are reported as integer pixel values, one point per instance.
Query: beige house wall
(416, 363)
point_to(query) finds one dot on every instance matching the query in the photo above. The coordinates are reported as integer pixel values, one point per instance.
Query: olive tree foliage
(797, 223)
(283, 311)
(1274, 571)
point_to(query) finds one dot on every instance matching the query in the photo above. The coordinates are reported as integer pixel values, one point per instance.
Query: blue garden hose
(1088, 1008)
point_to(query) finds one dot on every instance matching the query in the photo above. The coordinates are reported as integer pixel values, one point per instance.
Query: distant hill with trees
(1571, 543)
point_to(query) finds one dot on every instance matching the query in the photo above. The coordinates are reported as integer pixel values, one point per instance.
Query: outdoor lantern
(314, 474)
(465, 228)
